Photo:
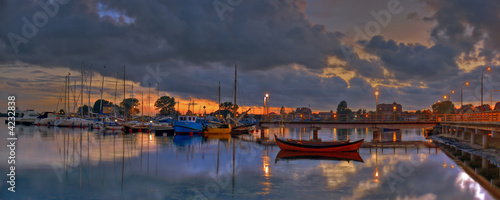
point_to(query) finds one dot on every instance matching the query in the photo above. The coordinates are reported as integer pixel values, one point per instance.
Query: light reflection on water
(63, 163)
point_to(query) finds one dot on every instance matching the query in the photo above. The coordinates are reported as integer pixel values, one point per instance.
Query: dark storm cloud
(289, 88)
(13, 84)
(414, 61)
(192, 47)
(462, 24)
(366, 68)
(256, 34)
(412, 16)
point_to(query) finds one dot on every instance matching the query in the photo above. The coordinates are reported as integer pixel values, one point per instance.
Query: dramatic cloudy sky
(303, 53)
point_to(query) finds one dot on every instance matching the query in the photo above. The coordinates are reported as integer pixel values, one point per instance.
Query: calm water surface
(64, 163)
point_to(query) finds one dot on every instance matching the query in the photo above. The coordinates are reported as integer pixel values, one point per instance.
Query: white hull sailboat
(72, 122)
(46, 119)
(27, 117)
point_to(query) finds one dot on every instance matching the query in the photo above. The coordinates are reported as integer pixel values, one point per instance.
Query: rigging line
(60, 98)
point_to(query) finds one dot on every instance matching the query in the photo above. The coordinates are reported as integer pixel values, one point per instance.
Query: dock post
(456, 131)
(473, 136)
(484, 163)
(485, 141)
(473, 157)
(464, 131)
(315, 134)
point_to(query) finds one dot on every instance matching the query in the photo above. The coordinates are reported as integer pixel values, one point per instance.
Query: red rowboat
(297, 145)
(298, 155)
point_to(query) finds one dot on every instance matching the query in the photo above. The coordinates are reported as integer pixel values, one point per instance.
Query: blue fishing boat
(187, 125)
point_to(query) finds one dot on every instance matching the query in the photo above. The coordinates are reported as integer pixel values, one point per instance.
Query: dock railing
(490, 116)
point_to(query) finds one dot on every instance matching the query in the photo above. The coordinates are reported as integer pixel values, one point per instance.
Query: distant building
(325, 114)
(389, 109)
(303, 112)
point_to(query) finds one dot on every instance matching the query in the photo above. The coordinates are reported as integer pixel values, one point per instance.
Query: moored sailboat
(46, 119)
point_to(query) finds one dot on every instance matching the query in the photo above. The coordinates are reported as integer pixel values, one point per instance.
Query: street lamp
(462, 94)
(264, 109)
(376, 100)
(445, 97)
(267, 103)
(482, 74)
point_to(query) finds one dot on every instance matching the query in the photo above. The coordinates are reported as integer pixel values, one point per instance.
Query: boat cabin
(47, 115)
(184, 118)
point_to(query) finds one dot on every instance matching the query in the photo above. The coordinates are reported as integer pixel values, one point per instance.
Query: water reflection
(64, 163)
(296, 155)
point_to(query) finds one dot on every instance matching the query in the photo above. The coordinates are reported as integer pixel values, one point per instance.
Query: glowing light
(466, 83)
(376, 93)
(150, 137)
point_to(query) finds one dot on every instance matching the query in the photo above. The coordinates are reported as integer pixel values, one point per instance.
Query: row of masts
(67, 89)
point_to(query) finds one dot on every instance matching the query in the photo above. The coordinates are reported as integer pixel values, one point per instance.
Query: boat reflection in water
(224, 137)
(71, 163)
(298, 155)
(186, 140)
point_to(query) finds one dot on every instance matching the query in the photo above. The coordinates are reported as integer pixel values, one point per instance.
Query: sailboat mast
(116, 87)
(235, 86)
(149, 99)
(75, 102)
(219, 95)
(142, 108)
(67, 99)
(102, 88)
(65, 94)
(81, 94)
(158, 91)
(124, 111)
(90, 85)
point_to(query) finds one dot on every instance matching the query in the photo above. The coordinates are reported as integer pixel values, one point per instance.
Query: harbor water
(75, 163)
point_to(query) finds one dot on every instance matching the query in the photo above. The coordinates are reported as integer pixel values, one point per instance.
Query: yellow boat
(222, 129)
